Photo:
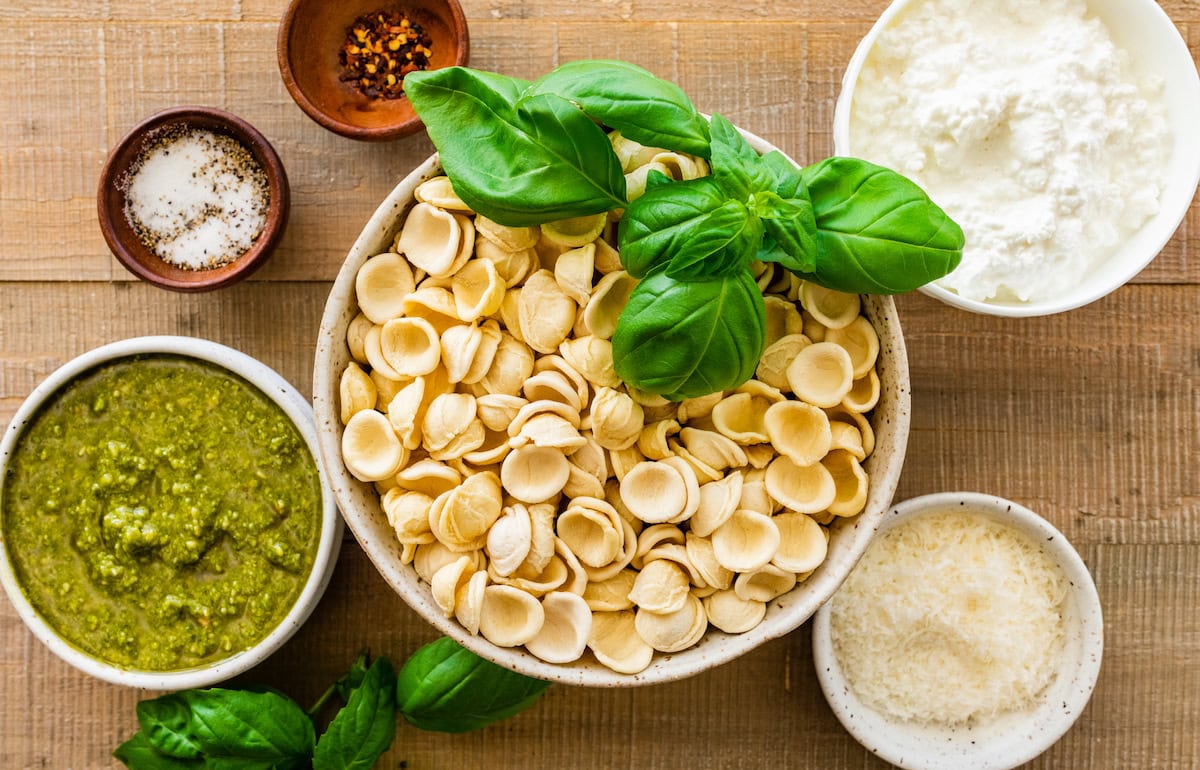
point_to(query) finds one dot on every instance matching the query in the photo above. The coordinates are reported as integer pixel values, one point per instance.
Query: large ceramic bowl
(297, 410)
(360, 502)
(1157, 51)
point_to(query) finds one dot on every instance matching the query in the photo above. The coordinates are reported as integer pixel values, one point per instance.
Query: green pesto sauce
(161, 513)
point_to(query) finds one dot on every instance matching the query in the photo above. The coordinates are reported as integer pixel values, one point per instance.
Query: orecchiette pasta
(543, 501)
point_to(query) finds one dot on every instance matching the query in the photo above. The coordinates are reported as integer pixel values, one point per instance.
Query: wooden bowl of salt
(193, 199)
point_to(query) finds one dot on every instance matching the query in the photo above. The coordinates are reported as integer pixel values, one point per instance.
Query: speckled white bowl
(1011, 739)
(1156, 47)
(360, 503)
(298, 411)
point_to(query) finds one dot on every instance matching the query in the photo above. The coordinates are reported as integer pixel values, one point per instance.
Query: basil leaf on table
(446, 688)
(683, 339)
(669, 220)
(365, 727)
(250, 725)
(166, 724)
(632, 100)
(877, 231)
(541, 161)
(138, 753)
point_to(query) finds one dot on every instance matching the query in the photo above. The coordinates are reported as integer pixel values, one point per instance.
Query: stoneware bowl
(310, 36)
(360, 503)
(124, 242)
(1011, 739)
(297, 409)
(1142, 28)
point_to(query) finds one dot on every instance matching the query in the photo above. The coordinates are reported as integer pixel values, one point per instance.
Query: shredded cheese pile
(950, 618)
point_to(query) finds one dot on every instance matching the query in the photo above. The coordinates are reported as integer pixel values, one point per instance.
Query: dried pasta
(546, 504)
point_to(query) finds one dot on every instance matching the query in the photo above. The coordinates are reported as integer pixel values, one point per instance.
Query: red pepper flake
(380, 49)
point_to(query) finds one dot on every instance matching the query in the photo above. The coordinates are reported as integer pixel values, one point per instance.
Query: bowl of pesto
(163, 521)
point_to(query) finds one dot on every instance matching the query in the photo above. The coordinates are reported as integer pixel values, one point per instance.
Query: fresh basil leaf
(447, 688)
(240, 725)
(656, 178)
(353, 678)
(683, 339)
(540, 162)
(877, 232)
(166, 723)
(735, 164)
(365, 727)
(793, 229)
(786, 178)
(655, 225)
(620, 95)
(721, 243)
(138, 753)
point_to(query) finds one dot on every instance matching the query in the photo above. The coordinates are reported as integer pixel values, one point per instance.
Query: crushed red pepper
(380, 49)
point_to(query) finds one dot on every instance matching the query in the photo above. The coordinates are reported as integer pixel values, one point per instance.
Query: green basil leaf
(447, 688)
(165, 724)
(353, 678)
(643, 107)
(138, 753)
(787, 181)
(683, 339)
(655, 225)
(792, 226)
(540, 162)
(736, 167)
(365, 727)
(237, 725)
(877, 231)
(656, 178)
(721, 243)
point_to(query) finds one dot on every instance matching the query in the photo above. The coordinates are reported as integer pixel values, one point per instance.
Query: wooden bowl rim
(407, 127)
(141, 261)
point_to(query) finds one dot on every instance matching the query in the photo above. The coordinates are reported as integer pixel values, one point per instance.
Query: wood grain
(1092, 418)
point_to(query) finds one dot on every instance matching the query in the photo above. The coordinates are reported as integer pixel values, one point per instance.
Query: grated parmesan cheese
(950, 618)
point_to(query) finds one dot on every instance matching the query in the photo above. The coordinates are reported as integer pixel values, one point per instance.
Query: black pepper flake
(380, 49)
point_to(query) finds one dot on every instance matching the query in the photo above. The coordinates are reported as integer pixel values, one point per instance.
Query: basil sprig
(442, 687)
(529, 153)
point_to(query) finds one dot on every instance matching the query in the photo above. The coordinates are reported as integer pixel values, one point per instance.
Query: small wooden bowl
(124, 241)
(310, 36)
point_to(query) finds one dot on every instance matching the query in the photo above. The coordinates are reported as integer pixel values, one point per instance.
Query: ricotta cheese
(950, 618)
(1024, 121)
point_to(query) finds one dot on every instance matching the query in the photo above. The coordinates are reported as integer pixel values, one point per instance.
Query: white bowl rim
(665, 667)
(298, 410)
(1173, 211)
(949, 748)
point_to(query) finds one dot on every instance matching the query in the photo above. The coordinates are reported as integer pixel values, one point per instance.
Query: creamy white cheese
(1025, 122)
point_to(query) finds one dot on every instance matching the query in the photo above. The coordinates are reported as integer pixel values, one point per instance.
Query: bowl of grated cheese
(193, 199)
(1060, 134)
(969, 635)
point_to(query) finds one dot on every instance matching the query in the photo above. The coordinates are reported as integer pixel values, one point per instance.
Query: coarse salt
(1028, 125)
(197, 199)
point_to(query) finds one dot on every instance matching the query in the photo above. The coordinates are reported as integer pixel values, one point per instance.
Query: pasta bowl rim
(369, 525)
(1167, 54)
(1016, 738)
(299, 413)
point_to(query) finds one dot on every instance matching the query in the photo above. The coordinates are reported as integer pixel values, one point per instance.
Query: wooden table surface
(1092, 418)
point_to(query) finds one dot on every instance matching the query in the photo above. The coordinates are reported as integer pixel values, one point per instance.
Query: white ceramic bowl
(360, 503)
(1011, 739)
(297, 409)
(1144, 29)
